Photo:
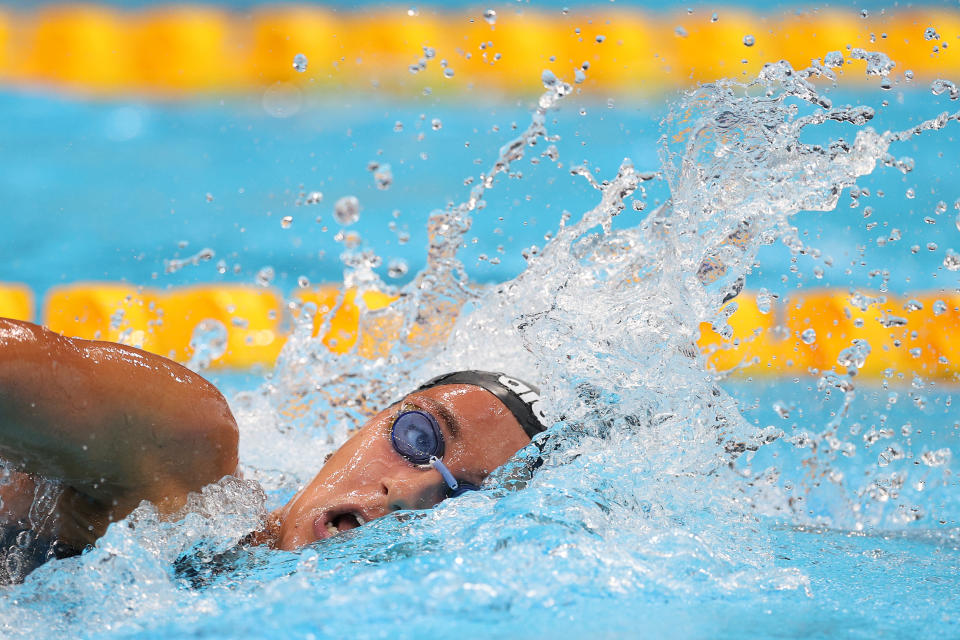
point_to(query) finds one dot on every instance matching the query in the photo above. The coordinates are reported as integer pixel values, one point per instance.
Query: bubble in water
(303, 282)
(314, 197)
(600, 39)
(413, 12)
(300, 62)
(347, 210)
(579, 76)
(681, 32)
(809, 336)
(208, 342)
(941, 208)
(957, 222)
(448, 73)
(286, 221)
(939, 307)
(265, 276)
(429, 53)
(397, 268)
(911, 194)
(930, 34)
(864, 13)
(435, 124)
(952, 260)
(749, 40)
(490, 16)
(209, 197)
(714, 17)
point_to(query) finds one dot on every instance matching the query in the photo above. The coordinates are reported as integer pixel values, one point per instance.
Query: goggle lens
(417, 437)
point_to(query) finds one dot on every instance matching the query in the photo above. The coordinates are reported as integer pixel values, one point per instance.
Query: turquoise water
(638, 524)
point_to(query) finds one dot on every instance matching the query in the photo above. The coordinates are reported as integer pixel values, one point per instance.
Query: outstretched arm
(115, 423)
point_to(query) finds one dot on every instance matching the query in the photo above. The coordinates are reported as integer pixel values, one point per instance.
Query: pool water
(670, 502)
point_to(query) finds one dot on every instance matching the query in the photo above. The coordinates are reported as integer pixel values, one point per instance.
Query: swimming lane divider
(803, 334)
(184, 50)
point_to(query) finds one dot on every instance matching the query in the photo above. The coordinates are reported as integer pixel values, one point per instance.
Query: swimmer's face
(366, 478)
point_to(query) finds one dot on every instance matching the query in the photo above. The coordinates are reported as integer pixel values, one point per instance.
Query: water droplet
(911, 194)
(952, 260)
(833, 59)
(809, 336)
(398, 126)
(782, 410)
(490, 16)
(314, 197)
(347, 210)
(888, 322)
(265, 276)
(548, 78)
(818, 272)
(930, 34)
(435, 124)
(764, 301)
(448, 73)
(936, 458)
(209, 342)
(931, 246)
(303, 282)
(600, 39)
(286, 221)
(681, 32)
(714, 17)
(913, 305)
(383, 177)
(209, 197)
(579, 76)
(397, 268)
(429, 53)
(749, 40)
(300, 62)
(413, 12)
(939, 307)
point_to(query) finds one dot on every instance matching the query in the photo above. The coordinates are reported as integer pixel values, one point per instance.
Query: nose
(413, 489)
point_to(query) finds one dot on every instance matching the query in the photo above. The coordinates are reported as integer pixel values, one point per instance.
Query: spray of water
(639, 489)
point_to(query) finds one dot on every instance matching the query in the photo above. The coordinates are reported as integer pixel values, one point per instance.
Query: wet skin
(117, 425)
(366, 478)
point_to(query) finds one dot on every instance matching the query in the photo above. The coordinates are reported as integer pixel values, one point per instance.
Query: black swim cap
(521, 398)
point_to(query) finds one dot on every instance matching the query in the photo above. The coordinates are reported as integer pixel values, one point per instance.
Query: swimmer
(114, 425)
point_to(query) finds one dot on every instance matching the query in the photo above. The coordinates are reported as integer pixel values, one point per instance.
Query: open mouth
(334, 523)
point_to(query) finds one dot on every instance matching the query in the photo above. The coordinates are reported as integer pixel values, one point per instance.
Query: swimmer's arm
(117, 424)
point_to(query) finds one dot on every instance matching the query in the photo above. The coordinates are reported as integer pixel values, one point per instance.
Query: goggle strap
(442, 469)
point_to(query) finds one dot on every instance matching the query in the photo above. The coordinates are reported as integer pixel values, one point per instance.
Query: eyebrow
(451, 420)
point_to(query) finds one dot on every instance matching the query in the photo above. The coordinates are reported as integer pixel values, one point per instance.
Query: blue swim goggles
(417, 437)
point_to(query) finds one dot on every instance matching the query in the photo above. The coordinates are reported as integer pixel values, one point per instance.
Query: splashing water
(643, 497)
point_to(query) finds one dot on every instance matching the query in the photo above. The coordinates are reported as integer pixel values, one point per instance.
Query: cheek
(364, 462)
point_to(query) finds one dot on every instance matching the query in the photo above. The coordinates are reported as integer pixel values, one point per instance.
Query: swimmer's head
(435, 443)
